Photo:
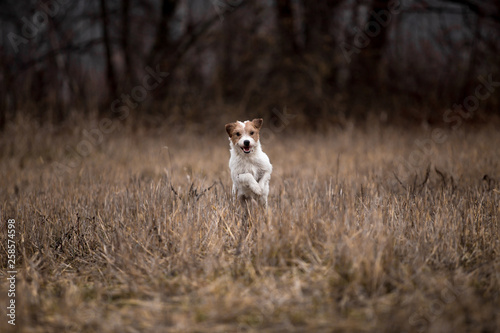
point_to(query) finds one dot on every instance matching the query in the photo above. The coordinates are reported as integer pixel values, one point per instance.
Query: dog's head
(244, 135)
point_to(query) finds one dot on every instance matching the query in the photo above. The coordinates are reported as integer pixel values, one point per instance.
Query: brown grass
(135, 240)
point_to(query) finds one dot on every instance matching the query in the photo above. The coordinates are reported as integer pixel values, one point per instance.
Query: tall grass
(143, 234)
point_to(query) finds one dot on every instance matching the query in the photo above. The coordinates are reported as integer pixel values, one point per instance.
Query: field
(142, 234)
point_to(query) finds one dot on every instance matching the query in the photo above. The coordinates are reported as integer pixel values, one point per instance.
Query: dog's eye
(251, 133)
(238, 133)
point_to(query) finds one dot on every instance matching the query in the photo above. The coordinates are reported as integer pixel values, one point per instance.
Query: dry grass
(130, 241)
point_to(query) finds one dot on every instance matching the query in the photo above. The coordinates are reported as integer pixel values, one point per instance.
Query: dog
(250, 166)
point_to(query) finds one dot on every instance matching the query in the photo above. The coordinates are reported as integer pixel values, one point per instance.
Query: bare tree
(162, 43)
(365, 67)
(318, 18)
(110, 70)
(285, 19)
(125, 41)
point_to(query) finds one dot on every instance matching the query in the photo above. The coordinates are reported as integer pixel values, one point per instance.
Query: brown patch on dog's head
(257, 122)
(252, 128)
(235, 131)
(230, 128)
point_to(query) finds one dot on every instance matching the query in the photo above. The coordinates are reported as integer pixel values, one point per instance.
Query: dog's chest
(256, 172)
(244, 166)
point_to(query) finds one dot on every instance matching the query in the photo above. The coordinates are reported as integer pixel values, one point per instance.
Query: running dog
(250, 167)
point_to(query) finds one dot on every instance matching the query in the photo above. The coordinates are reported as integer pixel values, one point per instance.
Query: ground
(370, 228)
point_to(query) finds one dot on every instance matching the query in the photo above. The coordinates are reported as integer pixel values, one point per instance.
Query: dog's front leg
(264, 185)
(248, 180)
(264, 181)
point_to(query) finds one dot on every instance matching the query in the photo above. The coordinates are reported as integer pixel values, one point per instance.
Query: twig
(427, 172)
(173, 190)
(399, 181)
(441, 174)
(205, 190)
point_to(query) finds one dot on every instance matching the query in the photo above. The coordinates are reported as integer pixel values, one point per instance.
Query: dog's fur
(250, 167)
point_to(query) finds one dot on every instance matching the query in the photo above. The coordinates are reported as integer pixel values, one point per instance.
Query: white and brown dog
(250, 167)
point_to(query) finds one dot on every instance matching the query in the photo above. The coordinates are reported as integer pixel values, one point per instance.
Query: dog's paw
(246, 178)
(256, 189)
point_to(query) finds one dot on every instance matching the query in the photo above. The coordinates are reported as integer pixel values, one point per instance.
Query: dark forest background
(326, 60)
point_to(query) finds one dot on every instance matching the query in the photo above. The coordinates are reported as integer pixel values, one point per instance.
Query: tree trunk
(129, 68)
(469, 76)
(365, 67)
(110, 71)
(288, 44)
(162, 40)
(318, 16)
(318, 39)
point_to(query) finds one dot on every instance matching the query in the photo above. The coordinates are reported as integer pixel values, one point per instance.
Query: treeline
(325, 60)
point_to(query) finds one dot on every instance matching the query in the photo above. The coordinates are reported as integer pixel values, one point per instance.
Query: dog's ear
(257, 123)
(229, 128)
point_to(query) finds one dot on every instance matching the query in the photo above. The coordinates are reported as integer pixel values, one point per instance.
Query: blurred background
(324, 61)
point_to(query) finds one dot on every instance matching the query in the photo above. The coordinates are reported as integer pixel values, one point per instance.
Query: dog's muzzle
(246, 146)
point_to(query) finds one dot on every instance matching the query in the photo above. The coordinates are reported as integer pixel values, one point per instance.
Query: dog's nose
(246, 143)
